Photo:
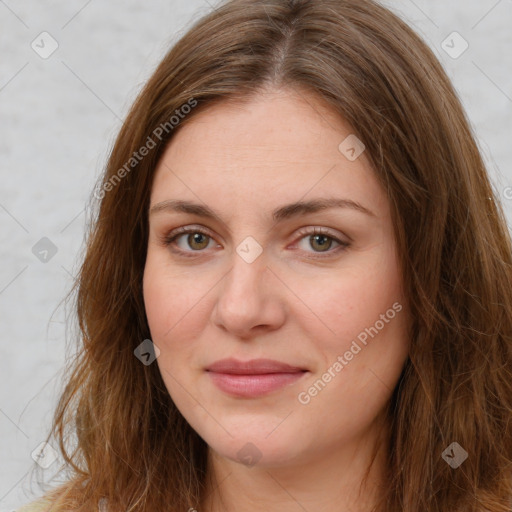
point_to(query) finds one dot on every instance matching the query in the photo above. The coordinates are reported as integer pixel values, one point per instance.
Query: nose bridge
(245, 279)
(245, 297)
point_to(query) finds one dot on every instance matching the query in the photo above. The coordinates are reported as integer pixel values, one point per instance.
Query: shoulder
(39, 505)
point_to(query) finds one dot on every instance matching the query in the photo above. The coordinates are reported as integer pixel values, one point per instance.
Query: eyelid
(188, 229)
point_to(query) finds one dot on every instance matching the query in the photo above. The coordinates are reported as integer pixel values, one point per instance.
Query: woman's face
(267, 271)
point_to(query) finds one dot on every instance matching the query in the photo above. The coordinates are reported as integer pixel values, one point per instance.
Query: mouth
(254, 378)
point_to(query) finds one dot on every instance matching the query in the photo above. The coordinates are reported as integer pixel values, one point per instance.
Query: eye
(321, 240)
(188, 240)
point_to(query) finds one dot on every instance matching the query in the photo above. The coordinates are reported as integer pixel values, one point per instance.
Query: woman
(297, 290)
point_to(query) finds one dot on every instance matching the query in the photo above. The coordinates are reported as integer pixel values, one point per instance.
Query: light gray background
(59, 117)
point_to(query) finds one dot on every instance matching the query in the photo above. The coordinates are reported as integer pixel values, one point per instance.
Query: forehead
(281, 144)
(283, 123)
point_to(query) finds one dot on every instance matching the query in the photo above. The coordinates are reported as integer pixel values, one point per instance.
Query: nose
(250, 299)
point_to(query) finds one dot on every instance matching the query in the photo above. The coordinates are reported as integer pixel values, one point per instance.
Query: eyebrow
(279, 214)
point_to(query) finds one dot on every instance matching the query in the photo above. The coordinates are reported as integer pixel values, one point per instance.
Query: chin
(255, 453)
(253, 446)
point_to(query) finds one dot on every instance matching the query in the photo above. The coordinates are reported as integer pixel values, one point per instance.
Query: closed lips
(252, 367)
(253, 379)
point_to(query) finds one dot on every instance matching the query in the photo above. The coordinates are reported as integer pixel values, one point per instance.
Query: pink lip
(252, 367)
(252, 378)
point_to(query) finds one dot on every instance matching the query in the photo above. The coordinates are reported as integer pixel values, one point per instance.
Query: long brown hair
(130, 445)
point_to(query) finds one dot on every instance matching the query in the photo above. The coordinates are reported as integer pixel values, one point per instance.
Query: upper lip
(252, 367)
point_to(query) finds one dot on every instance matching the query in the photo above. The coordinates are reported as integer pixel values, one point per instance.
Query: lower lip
(250, 386)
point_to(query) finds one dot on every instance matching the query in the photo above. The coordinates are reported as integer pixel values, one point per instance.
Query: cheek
(343, 303)
(173, 307)
(172, 299)
(158, 301)
(366, 321)
(175, 318)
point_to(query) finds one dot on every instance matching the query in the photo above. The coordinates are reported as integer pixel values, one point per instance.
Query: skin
(299, 302)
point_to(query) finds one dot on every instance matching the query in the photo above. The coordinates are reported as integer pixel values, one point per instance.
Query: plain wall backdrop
(68, 73)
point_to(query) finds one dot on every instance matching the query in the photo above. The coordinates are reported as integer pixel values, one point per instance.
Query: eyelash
(169, 239)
